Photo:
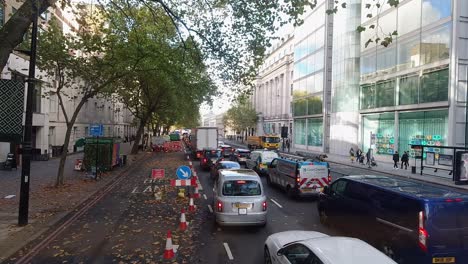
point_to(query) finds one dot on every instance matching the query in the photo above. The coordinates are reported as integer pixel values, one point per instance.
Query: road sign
(96, 130)
(184, 172)
(157, 173)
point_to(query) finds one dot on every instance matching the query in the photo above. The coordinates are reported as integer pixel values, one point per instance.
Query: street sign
(184, 172)
(96, 130)
(157, 173)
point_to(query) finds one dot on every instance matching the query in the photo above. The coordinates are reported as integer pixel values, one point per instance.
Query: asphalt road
(246, 243)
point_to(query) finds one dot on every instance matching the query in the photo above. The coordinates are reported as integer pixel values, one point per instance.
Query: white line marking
(134, 190)
(211, 209)
(204, 196)
(228, 251)
(275, 202)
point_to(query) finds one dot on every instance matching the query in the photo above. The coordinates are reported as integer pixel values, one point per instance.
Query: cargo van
(299, 178)
(410, 221)
(259, 160)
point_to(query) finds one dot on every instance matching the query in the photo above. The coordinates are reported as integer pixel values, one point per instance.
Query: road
(246, 243)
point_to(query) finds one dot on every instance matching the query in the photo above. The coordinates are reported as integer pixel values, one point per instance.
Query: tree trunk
(12, 33)
(140, 131)
(63, 158)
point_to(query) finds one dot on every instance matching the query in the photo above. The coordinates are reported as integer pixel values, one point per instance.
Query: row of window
(310, 85)
(406, 18)
(312, 105)
(309, 45)
(310, 64)
(308, 132)
(428, 47)
(430, 87)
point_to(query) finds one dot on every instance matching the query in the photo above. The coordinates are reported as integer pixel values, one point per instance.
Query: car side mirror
(280, 252)
(326, 190)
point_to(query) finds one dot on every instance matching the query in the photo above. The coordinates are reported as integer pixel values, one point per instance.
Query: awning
(80, 142)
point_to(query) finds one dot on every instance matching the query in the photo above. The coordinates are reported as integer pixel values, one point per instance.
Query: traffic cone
(196, 195)
(191, 205)
(188, 157)
(183, 222)
(190, 165)
(169, 251)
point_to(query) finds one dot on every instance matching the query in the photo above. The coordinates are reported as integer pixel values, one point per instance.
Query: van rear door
(447, 227)
(313, 177)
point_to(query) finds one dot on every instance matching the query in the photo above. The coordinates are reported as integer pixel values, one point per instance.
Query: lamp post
(27, 148)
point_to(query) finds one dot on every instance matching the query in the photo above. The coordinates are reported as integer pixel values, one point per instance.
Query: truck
(268, 141)
(203, 138)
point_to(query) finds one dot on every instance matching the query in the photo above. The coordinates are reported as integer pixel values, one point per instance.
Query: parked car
(412, 222)
(299, 178)
(209, 157)
(240, 155)
(259, 160)
(309, 247)
(226, 150)
(222, 164)
(239, 198)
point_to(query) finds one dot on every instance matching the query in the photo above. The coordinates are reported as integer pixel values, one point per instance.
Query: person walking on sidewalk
(359, 155)
(404, 160)
(288, 144)
(368, 158)
(396, 158)
(351, 154)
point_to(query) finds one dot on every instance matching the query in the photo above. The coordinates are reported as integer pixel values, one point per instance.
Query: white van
(259, 160)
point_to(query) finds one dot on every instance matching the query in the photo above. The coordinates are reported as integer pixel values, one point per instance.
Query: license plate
(242, 211)
(308, 190)
(241, 159)
(443, 260)
(242, 206)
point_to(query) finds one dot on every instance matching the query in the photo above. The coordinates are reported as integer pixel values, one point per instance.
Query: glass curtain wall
(378, 132)
(314, 132)
(300, 131)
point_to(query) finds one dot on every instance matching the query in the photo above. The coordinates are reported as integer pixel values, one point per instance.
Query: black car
(240, 155)
(226, 150)
(209, 157)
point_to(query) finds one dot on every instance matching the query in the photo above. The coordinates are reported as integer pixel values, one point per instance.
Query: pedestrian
(358, 155)
(368, 158)
(288, 144)
(404, 160)
(396, 158)
(351, 154)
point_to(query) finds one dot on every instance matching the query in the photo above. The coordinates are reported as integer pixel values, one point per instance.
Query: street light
(27, 148)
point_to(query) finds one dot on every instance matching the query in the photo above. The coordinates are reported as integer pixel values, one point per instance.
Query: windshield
(241, 188)
(272, 139)
(230, 166)
(213, 154)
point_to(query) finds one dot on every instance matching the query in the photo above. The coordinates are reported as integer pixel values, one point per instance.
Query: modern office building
(312, 80)
(414, 91)
(273, 91)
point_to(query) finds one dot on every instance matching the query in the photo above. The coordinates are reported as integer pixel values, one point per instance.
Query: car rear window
(213, 154)
(241, 188)
(230, 166)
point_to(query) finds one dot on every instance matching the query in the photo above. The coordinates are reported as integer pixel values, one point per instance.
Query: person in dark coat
(368, 158)
(396, 158)
(404, 160)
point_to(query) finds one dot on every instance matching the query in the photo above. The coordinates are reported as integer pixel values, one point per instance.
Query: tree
(171, 80)
(81, 71)
(241, 116)
(235, 33)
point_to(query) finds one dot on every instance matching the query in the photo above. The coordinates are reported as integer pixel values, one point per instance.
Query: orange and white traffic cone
(191, 205)
(196, 195)
(188, 157)
(190, 165)
(183, 222)
(169, 251)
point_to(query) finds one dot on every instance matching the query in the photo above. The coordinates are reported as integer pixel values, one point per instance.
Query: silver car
(239, 198)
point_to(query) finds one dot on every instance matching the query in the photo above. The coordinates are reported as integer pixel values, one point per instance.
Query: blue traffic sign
(96, 130)
(184, 172)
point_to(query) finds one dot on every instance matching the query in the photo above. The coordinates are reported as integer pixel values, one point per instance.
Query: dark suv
(240, 155)
(410, 221)
(209, 157)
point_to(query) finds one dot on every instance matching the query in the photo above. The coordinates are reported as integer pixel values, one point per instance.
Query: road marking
(228, 251)
(211, 209)
(134, 190)
(275, 202)
(204, 196)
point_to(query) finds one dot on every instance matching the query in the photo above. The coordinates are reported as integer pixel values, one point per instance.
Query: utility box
(101, 152)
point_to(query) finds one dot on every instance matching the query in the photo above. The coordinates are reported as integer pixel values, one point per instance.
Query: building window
(427, 128)
(300, 107)
(408, 93)
(2, 13)
(385, 94)
(378, 133)
(434, 10)
(367, 96)
(368, 63)
(409, 17)
(435, 45)
(37, 98)
(434, 86)
(314, 105)
(408, 53)
(300, 131)
(314, 132)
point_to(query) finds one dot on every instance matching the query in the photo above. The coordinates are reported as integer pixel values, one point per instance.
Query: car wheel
(324, 218)
(266, 256)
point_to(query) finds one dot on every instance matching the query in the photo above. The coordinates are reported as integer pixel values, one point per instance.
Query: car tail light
(198, 154)
(219, 206)
(204, 160)
(238, 155)
(423, 235)
(264, 206)
(454, 200)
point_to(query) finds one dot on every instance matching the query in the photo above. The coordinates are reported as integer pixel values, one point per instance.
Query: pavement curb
(5, 255)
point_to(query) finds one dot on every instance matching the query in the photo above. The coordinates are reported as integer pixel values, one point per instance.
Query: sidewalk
(440, 178)
(46, 203)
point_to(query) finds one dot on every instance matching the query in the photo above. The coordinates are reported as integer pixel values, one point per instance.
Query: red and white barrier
(190, 182)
